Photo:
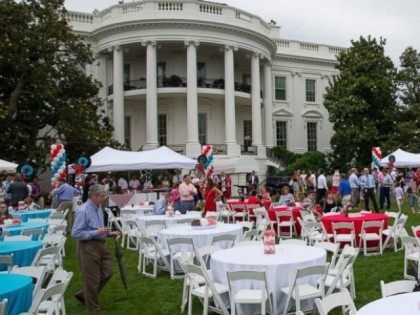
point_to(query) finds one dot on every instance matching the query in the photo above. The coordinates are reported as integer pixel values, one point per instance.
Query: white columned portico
(118, 93)
(268, 105)
(233, 147)
(151, 96)
(193, 148)
(256, 104)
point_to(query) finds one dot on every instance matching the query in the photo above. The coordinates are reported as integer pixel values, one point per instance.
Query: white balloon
(61, 151)
(53, 162)
(56, 158)
(53, 146)
(60, 171)
(63, 166)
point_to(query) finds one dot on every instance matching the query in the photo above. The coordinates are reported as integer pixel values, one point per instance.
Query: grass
(163, 295)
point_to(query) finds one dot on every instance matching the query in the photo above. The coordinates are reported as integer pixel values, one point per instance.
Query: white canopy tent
(7, 166)
(243, 164)
(403, 159)
(109, 159)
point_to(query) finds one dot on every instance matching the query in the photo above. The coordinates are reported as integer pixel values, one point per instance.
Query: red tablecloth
(329, 220)
(267, 203)
(296, 214)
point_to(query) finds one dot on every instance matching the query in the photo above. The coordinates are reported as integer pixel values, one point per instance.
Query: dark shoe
(80, 298)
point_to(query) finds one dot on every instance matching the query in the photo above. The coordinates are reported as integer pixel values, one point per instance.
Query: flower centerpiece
(170, 211)
(269, 242)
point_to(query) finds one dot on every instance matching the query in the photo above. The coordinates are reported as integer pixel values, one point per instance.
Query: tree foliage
(311, 161)
(361, 101)
(44, 93)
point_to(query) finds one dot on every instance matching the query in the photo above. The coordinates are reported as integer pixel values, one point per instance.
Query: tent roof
(7, 166)
(243, 164)
(109, 159)
(403, 159)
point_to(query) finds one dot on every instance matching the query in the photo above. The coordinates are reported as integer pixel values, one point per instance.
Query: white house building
(184, 73)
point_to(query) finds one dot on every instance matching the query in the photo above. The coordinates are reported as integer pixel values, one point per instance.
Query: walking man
(95, 259)
(321, 186)
(355, 187)
(368, 185)
(385, 193)
(64, 194)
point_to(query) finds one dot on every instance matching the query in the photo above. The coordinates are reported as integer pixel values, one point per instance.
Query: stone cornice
(304, 59)
(171, 24)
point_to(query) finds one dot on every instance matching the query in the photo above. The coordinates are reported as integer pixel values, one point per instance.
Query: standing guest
(10, 178)
(134, 183)
(345, 191)
(309, 202)
(222, 185)
(90, 180)
(65, 194)
(2, 194)
(187, 191)
(368, 185)
(109, 182)
(294, 184)
(309, 183)
(417, 179)
(399, 195)
(147, 184)
(95, 259)
(321, 186)
(36, 193)
(254, 199)
(176, 197)
(162, 204)
(286, 198)
(177, 177)
(412, 199)
(385, 190)
(18, 191)
(253, 181)
(355, 186)
(211, 195)
(335, 182)
(122, 184)
(4, 213)
(217, 181)
(228, 185)
(165, 183)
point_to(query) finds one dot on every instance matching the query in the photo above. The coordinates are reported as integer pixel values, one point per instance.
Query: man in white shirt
(187, 192)
(134, 183)
(321, 186)
(122, 183)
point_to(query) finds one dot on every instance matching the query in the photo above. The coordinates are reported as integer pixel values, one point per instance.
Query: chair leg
(263, 308)
(189, 302)
(206, 305)
(232, 307)
(184, 294)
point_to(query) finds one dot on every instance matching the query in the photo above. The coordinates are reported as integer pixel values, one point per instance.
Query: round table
(140, 210)
(407, 304)
(23, 252)
(279, 267)
(201, 237)
(358, 220)
(168, 220)
(16, 230)
(17, 289)
(31, 214)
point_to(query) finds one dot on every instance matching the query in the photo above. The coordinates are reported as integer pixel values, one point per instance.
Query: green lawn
(163, 295)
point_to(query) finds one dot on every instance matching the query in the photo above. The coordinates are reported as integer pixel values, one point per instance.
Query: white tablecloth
(403, 304)
(140, 211)
(201, 237)
(168, 220)
(279, 267)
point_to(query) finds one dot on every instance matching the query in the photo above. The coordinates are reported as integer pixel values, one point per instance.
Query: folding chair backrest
(342, 298)
(184, 241)
(33, 232)
(348, 251)
(349, 226)
(224, 238)
(410, 243)
(60, 276)
(7, 260)
(58, 215)
(372, 224)
(317, 270)
(54, 292)
(12, 238)
(54, 251)
(148, 245)
(37, 273)
(238, 208)
(247, 276)
(246, 224)
(285, 214)
(251, 235)
(185, 221)
(60, 229)
(307, 215)
(331, 248)
(397, 287)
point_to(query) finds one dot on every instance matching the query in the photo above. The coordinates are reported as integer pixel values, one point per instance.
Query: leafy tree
(407, 131)
(284, 156)
(44, 94)
(361, 102)
(311, 161)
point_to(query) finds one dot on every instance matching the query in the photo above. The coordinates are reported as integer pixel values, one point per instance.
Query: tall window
(246, 79)
(281, 134)
(312, 136)
(201, 74)
(161, 73)
(126, 75)
(202, 128)
(162, 131)
(310, 90)
(280, 88)
(127, 131)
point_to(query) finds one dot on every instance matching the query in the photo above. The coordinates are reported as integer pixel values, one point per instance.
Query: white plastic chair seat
(249, 296)
(340, 284)
(200, 291)
(344, 237)
(413, 256)
(370, 236)
(389, 232)
(285, 223)
(151, 254)
(306, 291)
(48, 307)
(318, 236)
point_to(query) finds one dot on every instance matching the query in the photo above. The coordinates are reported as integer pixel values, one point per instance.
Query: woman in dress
(335, 182)
(176, 197)
(228, 187)
(211, 195)
(4, 213)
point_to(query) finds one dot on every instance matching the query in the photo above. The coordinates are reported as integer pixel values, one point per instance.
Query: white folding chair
(35, 234)
(252, 235)
(8, 261)
(331, 248)
(411, 252)
(316, 232)
(249, 225)
(48, 257)
(397, 287)
(342, 279)
(293, 241)
(3, 306)
(224, 211)
(224, 240)
(12, 238)
(334, 300)
(48, 298)
(262, 219)
(238, 212)
(366, 236)
(150, 251)
(344, 233)
(299, 291)
(153, 227)
(250, 210)
(132, 232)
(257, 294)
(284, 219)
(183, 260)
(177, 246)
(59, 276)
(395, 232)
(205, 291)
(393, 215)
(113, 220)
(38, 273)
(307, 215)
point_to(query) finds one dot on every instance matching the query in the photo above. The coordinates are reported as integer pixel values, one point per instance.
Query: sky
(331, 22)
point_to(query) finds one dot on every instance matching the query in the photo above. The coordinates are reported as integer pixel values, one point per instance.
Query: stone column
(230, 117)
(118, 94)
(151, 96)
(256, 104)
(193, 148)
(268, 105)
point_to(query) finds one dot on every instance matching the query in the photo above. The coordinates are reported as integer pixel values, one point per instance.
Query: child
(399, 195)
(412, 198)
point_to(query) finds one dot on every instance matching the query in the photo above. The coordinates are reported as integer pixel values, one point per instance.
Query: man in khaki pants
(95, 259)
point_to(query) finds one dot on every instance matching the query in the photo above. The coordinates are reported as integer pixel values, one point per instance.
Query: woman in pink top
(176, 197)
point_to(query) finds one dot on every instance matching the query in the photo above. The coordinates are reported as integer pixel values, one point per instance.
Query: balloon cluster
(207, 151)
(58, 162)
(376, 157)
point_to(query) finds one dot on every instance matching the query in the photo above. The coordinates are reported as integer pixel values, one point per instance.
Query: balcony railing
(177, 81)
(249, 150)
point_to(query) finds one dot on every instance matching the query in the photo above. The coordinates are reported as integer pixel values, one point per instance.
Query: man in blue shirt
(64, 194)
(345, 191)
(368, 185)
(95, 259)
(162, 204)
